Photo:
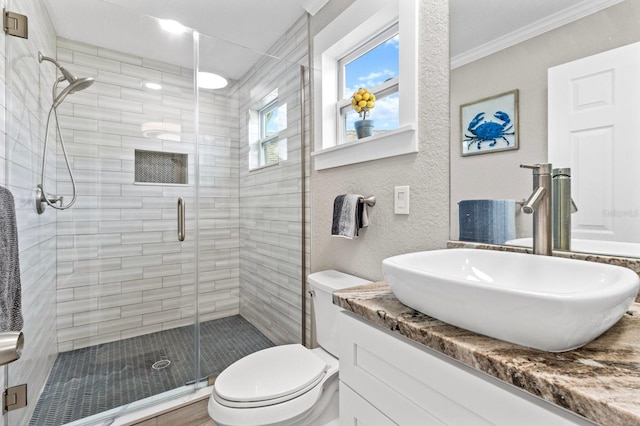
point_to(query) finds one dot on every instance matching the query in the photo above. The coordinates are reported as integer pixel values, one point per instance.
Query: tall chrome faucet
(562, 206)
(539, 203)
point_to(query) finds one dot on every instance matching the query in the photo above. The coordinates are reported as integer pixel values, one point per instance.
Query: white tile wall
(271, 203)
(28, 91)
(121, 270)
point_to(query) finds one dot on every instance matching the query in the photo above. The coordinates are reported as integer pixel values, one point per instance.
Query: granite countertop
(600, 381)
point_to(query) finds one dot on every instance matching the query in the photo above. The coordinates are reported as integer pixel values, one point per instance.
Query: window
(266, 120)
(373, 43)
(375, 66)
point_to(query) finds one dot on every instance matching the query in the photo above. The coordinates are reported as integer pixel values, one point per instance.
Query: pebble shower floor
(91, 380)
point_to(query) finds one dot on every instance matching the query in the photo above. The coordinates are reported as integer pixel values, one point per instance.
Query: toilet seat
(270, 376)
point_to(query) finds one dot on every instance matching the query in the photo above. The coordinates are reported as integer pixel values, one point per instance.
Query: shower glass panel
(117, 308)
(250, 219)
(109, 293)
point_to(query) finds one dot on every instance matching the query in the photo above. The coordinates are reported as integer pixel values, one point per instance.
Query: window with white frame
(374, 66)
(267, 119)
(372, 44)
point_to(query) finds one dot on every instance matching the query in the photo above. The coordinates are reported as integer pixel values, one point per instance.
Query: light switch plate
(401, 200)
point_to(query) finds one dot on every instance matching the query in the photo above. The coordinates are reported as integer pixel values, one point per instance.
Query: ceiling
(234, 32)
(483, 27)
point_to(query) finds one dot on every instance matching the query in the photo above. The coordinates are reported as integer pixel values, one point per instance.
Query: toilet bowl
(288, 384)
(284, 385)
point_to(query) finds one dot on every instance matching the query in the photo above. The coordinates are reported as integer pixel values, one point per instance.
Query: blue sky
(370, 70)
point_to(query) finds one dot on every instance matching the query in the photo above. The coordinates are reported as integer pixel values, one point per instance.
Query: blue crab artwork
(489, 131)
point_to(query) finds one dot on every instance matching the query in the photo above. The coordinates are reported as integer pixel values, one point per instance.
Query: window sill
(397, 142)
(266, 166)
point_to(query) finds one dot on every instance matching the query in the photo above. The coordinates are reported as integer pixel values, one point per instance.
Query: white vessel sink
(547, 303)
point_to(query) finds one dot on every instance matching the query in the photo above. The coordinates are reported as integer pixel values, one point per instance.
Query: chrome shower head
(75, 84)
(67, 75)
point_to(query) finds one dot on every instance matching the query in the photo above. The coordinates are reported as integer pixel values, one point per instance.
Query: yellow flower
(363, 101)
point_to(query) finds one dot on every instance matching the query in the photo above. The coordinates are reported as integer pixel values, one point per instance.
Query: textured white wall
(427, 173)
(524, 67)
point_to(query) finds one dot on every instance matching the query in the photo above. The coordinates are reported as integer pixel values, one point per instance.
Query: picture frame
(490, 124)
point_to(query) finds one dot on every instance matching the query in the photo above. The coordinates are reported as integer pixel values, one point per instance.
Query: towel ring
(370, 201)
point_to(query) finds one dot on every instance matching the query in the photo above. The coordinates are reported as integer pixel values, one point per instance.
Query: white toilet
(289, 384)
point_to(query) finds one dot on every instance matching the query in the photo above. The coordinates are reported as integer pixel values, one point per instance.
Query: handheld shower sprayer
(75, 84)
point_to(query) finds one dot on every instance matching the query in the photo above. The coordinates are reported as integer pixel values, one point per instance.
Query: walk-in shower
(110, 294)
(74, 84)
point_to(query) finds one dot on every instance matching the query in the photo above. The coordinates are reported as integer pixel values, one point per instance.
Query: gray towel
(10, 297)
(487, 221)
(349, 215)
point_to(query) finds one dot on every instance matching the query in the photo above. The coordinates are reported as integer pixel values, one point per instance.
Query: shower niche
(161, 167)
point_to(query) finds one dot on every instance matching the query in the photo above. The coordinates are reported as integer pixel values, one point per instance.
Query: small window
(269, 120)
(266, 120)
(369, 44)
(374, 66)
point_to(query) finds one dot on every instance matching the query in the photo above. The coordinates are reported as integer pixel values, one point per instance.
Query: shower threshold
(145, 408)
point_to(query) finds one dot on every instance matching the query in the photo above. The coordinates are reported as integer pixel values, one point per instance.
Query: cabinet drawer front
(357, 412)
(411, 382)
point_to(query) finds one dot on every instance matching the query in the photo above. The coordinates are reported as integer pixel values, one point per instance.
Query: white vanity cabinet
(386, 379)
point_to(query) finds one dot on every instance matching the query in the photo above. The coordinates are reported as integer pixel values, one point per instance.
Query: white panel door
(594, 113)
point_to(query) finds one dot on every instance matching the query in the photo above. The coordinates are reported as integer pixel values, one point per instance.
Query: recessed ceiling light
(174, 27)
(152, 86)
(209, 80)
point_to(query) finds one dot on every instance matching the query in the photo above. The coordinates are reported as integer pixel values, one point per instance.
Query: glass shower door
(253, 151)
(110, 295)
(108, 289)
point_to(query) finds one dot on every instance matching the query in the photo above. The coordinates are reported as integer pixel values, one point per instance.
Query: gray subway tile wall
(121, 270)
(271, 203)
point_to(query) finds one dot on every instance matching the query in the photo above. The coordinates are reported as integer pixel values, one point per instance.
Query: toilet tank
(323, 284)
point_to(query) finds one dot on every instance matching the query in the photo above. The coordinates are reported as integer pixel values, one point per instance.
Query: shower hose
(53, 200)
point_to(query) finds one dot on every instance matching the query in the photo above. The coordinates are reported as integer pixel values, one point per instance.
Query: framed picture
(490, 124)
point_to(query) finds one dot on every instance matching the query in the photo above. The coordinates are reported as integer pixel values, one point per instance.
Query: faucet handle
(530, 166)
(538, 169)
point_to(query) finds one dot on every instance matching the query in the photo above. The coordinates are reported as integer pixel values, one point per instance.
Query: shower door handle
(181, 228)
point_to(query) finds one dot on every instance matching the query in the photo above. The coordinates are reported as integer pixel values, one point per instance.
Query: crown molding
(566, 16)
(313, 6)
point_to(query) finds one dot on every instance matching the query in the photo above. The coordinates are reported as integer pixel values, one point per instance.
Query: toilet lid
(269, 376)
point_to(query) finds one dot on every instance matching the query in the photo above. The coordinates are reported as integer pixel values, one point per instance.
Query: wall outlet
(401, 200)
